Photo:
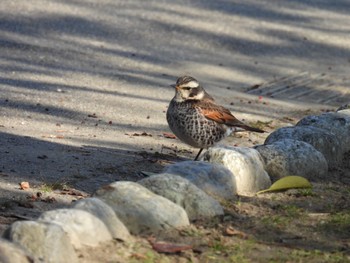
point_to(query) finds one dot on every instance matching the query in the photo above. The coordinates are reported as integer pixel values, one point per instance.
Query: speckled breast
(190, 125)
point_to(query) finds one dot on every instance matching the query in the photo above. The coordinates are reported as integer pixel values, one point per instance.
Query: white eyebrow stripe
(191, 84)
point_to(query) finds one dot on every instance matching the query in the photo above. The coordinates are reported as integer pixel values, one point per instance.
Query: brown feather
(222, 115)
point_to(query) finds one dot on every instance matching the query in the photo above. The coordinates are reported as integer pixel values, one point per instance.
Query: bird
(197, 120)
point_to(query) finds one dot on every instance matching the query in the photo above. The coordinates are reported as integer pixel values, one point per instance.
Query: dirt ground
(300, 225)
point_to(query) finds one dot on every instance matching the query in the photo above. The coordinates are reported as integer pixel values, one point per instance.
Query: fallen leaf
(230, 231)
(169, 135)
(24, 185)
(164, 247)
(288, 182)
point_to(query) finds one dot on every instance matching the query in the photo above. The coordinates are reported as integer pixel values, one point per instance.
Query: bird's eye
(186, 88)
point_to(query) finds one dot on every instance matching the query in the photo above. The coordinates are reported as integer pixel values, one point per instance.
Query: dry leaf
(24, 185)
(230, 231)
(169, 135)
(288, 182)
(164, 247)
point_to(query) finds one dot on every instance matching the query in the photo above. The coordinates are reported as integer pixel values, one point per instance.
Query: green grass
(50, 187)
(338, 223)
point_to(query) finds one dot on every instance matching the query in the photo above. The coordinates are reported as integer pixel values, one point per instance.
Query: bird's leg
(199, 153)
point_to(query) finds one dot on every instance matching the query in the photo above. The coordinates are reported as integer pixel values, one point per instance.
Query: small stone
(181, 191)
(82, 227)
(321, 139)
(245, 164)
(214, 179)
(290, 157)
(141, 210)
(11, 253)
(45, 241)
(106, 214)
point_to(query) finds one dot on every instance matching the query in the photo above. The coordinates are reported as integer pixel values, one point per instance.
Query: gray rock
(344, 107)
(345, 111)
(141, 210)
(106, 214)
(245, 164)
(337, 123)
(81, 227)
(214, 179)
(182, 192)
(321, 139)
(12, 253)
(46, 242)
(291, 157)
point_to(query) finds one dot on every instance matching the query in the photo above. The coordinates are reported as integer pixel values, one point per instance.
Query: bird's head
(188, 88)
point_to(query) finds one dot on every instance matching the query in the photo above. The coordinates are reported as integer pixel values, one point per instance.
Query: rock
(337, 123)
(245, 164)
(291, 157)
(11, 253)
(81, 227)
(181, 191)
(106, 214)
(45, 241)
(214, 179)
(141, 210)
(344, 107)
(321, 139)
(345, 111)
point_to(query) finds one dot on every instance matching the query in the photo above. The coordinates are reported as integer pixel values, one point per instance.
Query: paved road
(79, 78)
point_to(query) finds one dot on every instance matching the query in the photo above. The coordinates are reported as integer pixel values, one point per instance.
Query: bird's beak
(173, 86)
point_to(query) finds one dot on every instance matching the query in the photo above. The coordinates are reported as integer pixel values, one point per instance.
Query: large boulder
(182, 192)
(322, 140)
(106, 214)
(81, 227)
(45, 241)
(214, 179)
(291, 157)
(12, 253)
(245, 164)
(141, 210)
(337, 123)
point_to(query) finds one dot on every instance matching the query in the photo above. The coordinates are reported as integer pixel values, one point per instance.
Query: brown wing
(222, 115)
